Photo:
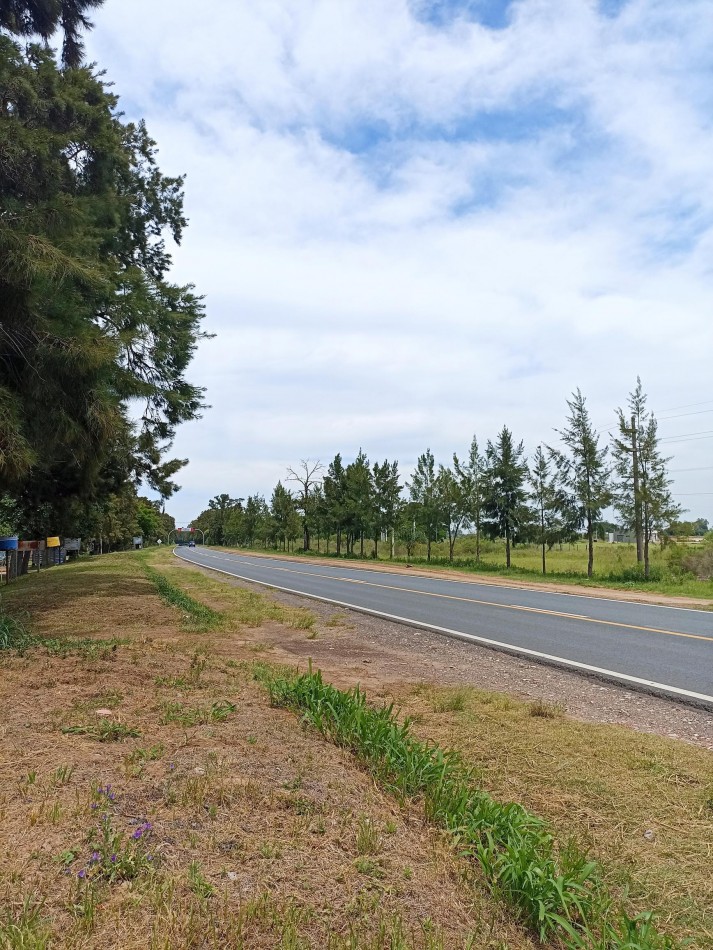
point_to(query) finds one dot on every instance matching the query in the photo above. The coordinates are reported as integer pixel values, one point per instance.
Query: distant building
(628, 537)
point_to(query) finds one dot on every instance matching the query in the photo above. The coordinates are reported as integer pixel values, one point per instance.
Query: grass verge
(196, 614)
(556, 889)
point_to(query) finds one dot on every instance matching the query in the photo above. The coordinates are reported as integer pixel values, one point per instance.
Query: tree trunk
(392, 544)
(590, 546)
(306, 538)
(376, 546)
(361, 544)
(507, 549)
(637, 493)
(428, 547)
(477, 541)
(339, 541)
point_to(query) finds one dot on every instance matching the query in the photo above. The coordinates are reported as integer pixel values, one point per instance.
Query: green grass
(24, 928)
(555, 888)
(13, 634)
(614, 565)
(195, 614)
(106, 730)
(196, 715)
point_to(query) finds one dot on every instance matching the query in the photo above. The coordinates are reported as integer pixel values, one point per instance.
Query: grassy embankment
(614, 565)
(152, 797)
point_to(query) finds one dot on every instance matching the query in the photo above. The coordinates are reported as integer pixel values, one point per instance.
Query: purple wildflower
(82, 873)
(113, 859)
(95, 857)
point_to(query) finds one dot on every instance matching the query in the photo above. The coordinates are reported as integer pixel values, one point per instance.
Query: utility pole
(637, 494)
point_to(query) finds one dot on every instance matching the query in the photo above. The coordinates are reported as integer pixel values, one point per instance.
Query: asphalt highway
(665, 650)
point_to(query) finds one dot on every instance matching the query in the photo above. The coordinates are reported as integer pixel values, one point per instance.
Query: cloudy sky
(415, 220)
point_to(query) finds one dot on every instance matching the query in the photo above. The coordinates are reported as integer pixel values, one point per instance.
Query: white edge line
(546, 658)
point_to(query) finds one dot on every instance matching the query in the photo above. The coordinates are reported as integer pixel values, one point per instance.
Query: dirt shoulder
(469, 577)
(228, 824)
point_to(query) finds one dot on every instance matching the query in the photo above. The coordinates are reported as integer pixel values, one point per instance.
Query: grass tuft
(544, 710)
(195, 614)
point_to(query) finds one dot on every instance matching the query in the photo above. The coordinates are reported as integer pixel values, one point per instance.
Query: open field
(141, 706)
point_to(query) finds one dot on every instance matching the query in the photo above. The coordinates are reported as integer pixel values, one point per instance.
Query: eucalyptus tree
(642, 493)
(505, 505)
(473, 481)
(583, 469)
(386, 500)
(424, 492)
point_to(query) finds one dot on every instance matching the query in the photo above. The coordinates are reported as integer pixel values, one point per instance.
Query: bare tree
(307, 475)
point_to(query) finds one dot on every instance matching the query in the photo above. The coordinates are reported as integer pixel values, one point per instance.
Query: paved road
(666, 649)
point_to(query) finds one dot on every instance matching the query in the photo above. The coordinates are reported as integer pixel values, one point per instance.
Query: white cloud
(407, 233)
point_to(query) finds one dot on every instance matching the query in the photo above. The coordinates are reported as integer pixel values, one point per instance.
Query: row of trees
(91, 329)
(494, 492)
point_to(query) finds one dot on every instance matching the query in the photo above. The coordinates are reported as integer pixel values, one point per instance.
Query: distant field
(614, 564)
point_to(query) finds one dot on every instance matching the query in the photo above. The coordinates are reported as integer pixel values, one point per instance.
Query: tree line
(493, 491)
(95, 340)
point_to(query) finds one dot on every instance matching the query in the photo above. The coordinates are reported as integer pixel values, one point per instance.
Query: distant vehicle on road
(191, 544)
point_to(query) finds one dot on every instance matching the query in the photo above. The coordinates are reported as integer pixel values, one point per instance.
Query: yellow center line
(487, 603)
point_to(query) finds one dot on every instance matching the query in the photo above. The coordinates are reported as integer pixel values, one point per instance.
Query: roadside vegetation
(152, 796)
(494, 510)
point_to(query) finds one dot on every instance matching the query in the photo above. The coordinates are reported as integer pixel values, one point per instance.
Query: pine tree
(472, 477)
(583, 469)
(387, 491)
(505, 505)
(423, 491)
(642, 494)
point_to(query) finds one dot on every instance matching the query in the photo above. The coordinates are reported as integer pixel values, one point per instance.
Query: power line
(685, 435)
(680, 415)
(689, 405)
(703, 468)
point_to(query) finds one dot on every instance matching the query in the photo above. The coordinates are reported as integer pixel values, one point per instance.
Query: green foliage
(106, 730)
(195, 613)
(504, 505)
(556, 890)
(198, 883)
(583, 470)
(13, 634)
(24, 928)
(196, 715)
(84, 298)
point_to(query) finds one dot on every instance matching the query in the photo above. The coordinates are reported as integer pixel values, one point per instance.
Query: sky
(414, 221)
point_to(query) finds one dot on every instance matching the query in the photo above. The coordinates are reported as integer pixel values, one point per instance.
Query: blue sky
(414, 221)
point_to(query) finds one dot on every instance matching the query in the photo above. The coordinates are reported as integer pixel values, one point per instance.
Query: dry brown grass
(263, 836)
